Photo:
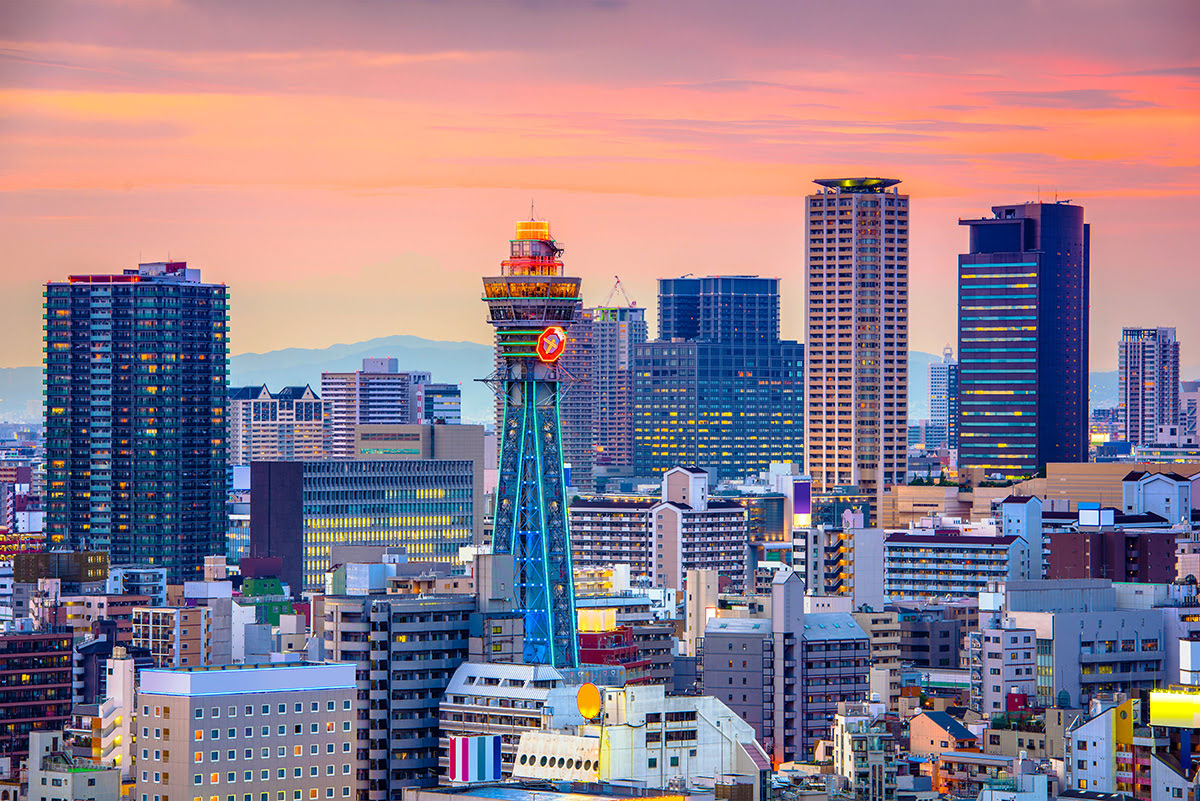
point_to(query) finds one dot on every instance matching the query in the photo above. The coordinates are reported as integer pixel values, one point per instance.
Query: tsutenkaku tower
(531, 303)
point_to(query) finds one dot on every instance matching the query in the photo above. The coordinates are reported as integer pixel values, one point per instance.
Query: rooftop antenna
(531, 217)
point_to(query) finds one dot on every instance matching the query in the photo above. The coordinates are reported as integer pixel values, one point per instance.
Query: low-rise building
(56, 775)
(931, 733)
(248, 729)
(864, 751)
(937, 563)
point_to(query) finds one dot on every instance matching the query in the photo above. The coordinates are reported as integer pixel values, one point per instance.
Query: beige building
(378, 393)
(266, 426)
(387, 442)
(856, 356)
(283, 732)
(662, 538)
(884, 630)
(177, 636)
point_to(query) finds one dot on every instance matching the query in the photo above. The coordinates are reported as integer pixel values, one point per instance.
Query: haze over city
(349, 170)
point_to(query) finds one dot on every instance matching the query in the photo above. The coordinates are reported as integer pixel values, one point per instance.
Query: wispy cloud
(1090, 99)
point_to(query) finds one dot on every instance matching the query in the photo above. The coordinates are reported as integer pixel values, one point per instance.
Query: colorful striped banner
(475, 759)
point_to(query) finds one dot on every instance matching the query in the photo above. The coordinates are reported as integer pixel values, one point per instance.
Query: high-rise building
(36, 693)
(577, 401)
(378, 393)
(442, 404)
(616, 331)
(530, 304)
(943, 402)
(275, 426)
(718, 389)
(856, 311)
(1023, 339)
(1148, 373)
(136, 432)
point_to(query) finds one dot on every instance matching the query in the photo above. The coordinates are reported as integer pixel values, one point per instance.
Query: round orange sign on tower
(551, 344)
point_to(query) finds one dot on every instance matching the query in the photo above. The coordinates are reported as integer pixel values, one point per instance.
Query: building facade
(378, 393)
(249, 729)
(176, 636)
(856, 318)
(300, 510)
(1023, 294)
(35, 691)
(938, 564)
(943, 403)
(136, 428)
(1148, 382)
(719, 389)
(283, 426)
(419, 641)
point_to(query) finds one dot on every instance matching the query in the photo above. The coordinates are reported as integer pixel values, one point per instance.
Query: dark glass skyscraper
(136, 393)
(1023, 339)
(719, 389)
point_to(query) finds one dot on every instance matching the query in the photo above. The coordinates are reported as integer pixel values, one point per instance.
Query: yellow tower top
(533, 229)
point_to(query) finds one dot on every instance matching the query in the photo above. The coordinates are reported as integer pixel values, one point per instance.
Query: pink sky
(350, 169)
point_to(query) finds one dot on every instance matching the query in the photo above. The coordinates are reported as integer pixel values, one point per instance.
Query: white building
(145, 580)
(935, 562)
(55, 775)
(650, 739)
(864, 753)
(1148, 367)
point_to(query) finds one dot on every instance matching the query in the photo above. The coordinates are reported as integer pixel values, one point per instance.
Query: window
(199, 714)
(345, 704)
(652, 763)
(215, 712)
(215, 734)
(198, 778)
(266, 709)
(231, 712)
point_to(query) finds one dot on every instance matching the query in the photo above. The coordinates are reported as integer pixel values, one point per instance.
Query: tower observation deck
(530, 304)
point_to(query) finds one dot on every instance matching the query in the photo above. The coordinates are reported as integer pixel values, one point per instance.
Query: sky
(350, 169)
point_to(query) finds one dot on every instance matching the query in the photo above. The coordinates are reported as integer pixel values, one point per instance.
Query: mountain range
(448, 362)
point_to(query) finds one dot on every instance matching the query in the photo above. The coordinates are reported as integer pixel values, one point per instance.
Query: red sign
(551, 344)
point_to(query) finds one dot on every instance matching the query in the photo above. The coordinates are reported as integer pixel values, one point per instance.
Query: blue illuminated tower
(531, 303)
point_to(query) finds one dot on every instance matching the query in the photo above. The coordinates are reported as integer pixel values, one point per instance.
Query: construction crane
(619, 286)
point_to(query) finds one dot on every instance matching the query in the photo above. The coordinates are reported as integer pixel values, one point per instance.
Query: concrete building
(301, 510)
(845, 561)
(284, 426)
(428, 441)
(176, 636)
(146, 580)
(378, 393)
(103, 731)
(785, 674)
(662, 539)
(248, 729)
(1023, 295)
(1008, 662)
(932, 733)
(929, 565)
(650, 739)
(1148, 376)
(1099, 747)
(36, 695)
(405, 649)
(864, 751)
(56, 775)
(139, 361)
(856, 384)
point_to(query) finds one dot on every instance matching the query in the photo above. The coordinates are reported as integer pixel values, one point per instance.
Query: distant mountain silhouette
(449, 362)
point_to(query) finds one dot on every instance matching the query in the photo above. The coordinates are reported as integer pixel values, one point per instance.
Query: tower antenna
(531, 215)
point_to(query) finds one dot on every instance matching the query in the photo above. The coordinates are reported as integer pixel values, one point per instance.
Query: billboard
(1178, 709)
(801, 503)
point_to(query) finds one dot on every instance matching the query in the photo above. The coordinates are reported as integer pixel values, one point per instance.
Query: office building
(531, 303)
(856, 318)
(718, 389)
(283, 426)
(300, 510)
(136, 432)
(378, 393)
(1148, 382)
(661, 538)
(428, 441)
(420, 641)
(1023, 294)
(36, 693)
(248, 730)
(442, 404)
(943, 403)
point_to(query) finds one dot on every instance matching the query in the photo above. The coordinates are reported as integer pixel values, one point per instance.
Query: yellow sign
(1180, 710)
(587, 699)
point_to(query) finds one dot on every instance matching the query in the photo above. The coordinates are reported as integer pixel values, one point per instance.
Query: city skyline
(652, 161)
